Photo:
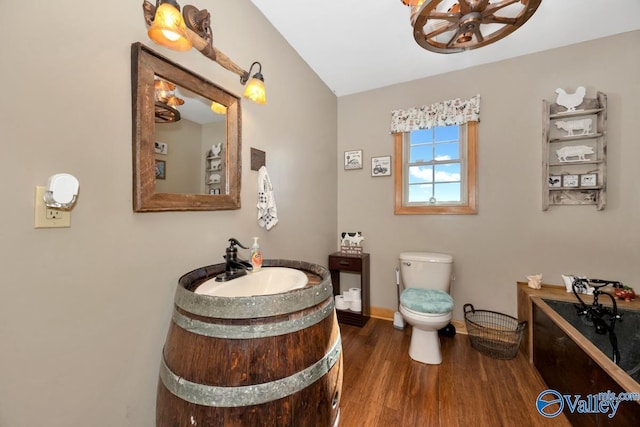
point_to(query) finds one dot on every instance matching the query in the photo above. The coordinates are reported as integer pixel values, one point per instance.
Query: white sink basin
(267, 281)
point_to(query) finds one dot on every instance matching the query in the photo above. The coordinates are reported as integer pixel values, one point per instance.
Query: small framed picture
(353, 159)
(161, 148)
(161, 169)
(570, 180)
(588, 180)
(381, 166)
(555, 181)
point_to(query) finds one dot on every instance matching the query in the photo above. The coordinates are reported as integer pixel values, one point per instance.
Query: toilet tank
(426, 270)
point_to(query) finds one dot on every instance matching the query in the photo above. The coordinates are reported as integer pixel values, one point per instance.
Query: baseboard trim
(387, 314)
(461, 327)
(381, 313)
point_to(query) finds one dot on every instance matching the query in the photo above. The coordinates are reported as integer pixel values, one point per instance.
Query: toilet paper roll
(354, 294)
(356, 305)
(341, 304)
(347, 296)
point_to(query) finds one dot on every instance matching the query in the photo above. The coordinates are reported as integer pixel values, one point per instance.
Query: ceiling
(355, 46)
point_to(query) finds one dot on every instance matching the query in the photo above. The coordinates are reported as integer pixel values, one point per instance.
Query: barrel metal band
(254, 306)
(230, 397)
(240, 332)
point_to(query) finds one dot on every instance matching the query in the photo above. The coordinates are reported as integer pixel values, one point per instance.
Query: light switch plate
(46, 217)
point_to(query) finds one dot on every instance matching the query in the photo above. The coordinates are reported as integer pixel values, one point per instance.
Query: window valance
(447, 113)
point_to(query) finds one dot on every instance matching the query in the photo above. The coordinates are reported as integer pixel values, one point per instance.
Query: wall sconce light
(169, 28)
(255, 87)
(218, 108)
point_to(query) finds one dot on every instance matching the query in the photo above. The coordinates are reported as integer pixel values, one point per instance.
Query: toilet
(425, 302)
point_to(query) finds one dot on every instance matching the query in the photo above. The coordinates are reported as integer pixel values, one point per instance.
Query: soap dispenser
(256, 256)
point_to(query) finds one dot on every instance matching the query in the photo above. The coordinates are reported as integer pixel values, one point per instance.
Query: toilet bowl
(425, 303)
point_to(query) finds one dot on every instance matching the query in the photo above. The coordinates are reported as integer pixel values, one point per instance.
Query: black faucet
(234, 267)
(596, 312)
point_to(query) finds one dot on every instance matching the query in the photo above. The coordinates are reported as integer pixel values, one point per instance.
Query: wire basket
(494, 334)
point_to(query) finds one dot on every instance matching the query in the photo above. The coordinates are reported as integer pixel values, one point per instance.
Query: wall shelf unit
(574, 153)
(214, 173)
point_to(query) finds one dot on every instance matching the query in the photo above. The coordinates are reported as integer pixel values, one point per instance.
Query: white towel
(267, 212)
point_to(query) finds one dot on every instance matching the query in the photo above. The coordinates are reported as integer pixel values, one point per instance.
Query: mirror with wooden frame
(186, 153)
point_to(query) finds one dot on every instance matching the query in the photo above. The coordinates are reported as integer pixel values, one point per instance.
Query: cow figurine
(352, 239)
(570, 125)
(579, 151)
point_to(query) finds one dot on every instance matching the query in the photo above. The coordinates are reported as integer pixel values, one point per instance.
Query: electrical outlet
(53, 214)
(46, 217)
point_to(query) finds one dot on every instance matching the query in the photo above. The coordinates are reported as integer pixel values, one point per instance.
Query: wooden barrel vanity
(248, 361)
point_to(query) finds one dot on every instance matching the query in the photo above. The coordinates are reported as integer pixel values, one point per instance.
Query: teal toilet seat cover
(426, 300)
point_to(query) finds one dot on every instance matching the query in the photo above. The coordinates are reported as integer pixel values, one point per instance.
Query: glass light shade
(255, 91)
(218, 108)
(168, 28)
(174, 101)
(163, 90)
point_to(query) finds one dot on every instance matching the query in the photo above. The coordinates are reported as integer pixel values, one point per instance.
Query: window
(436, 170)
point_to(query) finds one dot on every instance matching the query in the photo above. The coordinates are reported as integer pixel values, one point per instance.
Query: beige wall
(184, 164)
(511, 236)
(84, 311)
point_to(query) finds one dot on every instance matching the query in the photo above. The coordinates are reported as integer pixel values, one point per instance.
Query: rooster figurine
(570, 100)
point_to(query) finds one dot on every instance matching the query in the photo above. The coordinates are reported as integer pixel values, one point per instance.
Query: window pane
(446, 152)
(420, 174)
(447, 173)
(421, 153)
(447, 133)
(421, 136)
(420, 193)
(447, 192)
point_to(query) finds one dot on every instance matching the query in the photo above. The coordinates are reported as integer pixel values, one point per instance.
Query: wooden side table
(351, 264)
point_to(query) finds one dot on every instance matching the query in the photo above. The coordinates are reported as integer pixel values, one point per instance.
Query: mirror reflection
(190, 140)
(186, 138)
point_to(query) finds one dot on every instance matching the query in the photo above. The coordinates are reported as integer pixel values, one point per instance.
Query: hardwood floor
(383, 387)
